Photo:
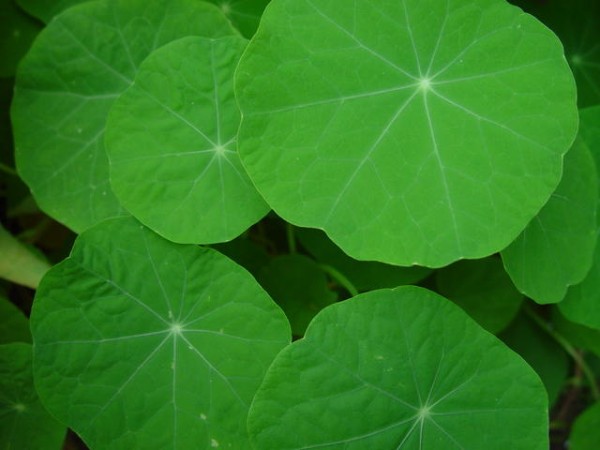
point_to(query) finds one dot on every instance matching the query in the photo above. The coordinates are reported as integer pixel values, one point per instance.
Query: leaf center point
(424, 84)
(176, 328)
(424, 412)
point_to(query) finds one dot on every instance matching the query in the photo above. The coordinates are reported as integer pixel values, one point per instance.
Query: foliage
(407, 188)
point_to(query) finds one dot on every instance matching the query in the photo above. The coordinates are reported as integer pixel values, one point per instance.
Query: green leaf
(578, 335)
(589, 132)
(66, 84)
(142, 343)
(540, 351)
(299, 286)
(25, 423)
(585, 433)
(14, 326)
(402, 368)
(244, 14)
(364, 275)
(45, 10)
(18, 263)
(17, 31)
(576, 24)
(483, 290)
(556, 249)
(171, 144)
(413, 131)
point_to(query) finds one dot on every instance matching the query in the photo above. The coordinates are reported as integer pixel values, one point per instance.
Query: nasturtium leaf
(45, 10)
(143, 343)
(483, 290)
(171, 144)
(17, 31)
(555, 250)
(540, 351)
(411, 131)
(402, 368)
(299, 286)
(244, 14)
(364, 275)
(585, 434)
(14, 326)
(25, 424)
(576, 24)
(76, 68)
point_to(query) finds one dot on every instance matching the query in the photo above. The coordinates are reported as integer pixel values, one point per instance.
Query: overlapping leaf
(413, 131)
(244, 14)
(555, 251)
(66, 84)
(171, 143)
(142, 343)
(398, 369)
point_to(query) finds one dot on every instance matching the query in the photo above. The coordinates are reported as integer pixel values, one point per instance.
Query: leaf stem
(340, 279)
(569, 348)
(7, 169)
(291, 238)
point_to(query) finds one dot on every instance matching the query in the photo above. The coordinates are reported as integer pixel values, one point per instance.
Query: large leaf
(142, 343)
(483, 290)
(364, 275)
(585, 434)
(244, 14)
(79, 64)
(172, 151)
(555, 250)
(25, 424)
(411, 131)
(402, 368)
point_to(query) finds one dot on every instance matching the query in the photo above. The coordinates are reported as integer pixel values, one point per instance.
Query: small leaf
(25, 423)
(299, 286)
(14, 326)
(585, 434)
(142, 343)
(76, 68)
(414, 132)
(402, 368)
(171, 144)
(541, 352)
(555, 251)
(483, 290)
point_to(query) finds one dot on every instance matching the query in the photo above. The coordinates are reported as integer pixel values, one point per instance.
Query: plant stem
(569, 348)
(291, 238)
(9, 170)
(340, 279)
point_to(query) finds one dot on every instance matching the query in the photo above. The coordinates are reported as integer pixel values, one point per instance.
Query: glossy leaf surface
(412, 132)
(171, 144)
(142, 343)
(402, 368)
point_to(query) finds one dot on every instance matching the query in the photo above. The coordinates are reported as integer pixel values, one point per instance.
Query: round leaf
(142, 343)
(555, 250)
(411, 131)
(585, 433)
(171, 138)
(25, 423)
(483, 290)
(402, 368)
(76, 68)
(299, 286)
